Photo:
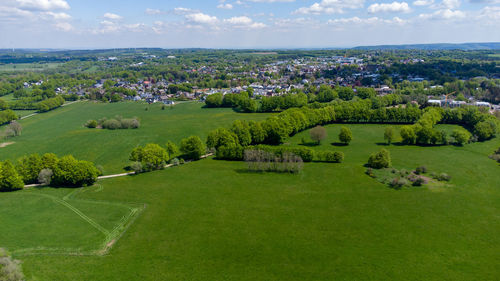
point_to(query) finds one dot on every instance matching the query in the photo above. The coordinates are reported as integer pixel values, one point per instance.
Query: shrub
(182, 161)
(45, 176)
(71, 172)
(136, 167)
(305, 153)
(421, 170)
(91, 124)
(419, 181)
(175, 162)
(443, 177)
(461, 136)
(10, 180)
(111, 124)
(330, 156)
(345, 135)
(10, 270)
(381, 159)
(398, 183)
(230, 152)
(151, 156)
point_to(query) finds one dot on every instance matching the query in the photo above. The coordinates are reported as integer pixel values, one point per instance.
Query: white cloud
(270, 1)
(239, 20)
(394, 7)
(150, 11)
(226, 6)
(201, 18)
(184, 11)
(64, 26)
(445, 14)
(447, 4)
(43, 5)
(112, 16)
(423, 2)
(490, 14)
(57, 16)
(244, 22)
(365, 21)
(330, 7)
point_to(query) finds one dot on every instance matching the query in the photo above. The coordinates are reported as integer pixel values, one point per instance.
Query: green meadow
(214, 220)
(62, 131)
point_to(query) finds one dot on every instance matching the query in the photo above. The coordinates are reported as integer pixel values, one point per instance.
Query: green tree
(381, 159)
(242, 131)
(193, 147)
(461, 136)
(152, 156)
(258, 133)
(214, 100)
(345, 93)
(389, 135)
(29, 167)
(408, 135)
(9, 178)
(172, 150)
(71, 172)
(345, 135)
(221, 137)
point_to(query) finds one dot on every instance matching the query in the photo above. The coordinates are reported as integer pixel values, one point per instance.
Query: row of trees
(49, 104)
(264, 161)
(154, 157)
(47, 170)
(114, 123)
(7, 116)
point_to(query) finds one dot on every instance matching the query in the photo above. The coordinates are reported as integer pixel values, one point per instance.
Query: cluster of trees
(241, 101)
(47, 169)
(265, 161)
(154, 157)
(483, 125)
(329, 156)
(115, 123)
(49, 104)
(6, 116)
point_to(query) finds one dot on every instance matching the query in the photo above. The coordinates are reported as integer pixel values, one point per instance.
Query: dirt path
(122, 174)
(36, 113)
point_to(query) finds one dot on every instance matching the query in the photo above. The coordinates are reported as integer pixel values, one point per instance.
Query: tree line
(47, 169)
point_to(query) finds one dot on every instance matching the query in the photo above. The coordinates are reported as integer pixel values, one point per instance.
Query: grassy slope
(210, 220)
(61, 131)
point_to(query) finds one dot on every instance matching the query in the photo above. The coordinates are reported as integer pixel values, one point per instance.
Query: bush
(330, 156)
(379, 160)
(136, 167)
(421, 170)
(175, 162)
(45, 176)
(10, 180)
(10, 270)
(318, 134)
(305, 153)
(419, 181)
(264, 161)
(230, 152)
(91, 124)
(398, 183)
(151, 156)
(75, 173)
(111, 124)
(443, 177)
(461, 136)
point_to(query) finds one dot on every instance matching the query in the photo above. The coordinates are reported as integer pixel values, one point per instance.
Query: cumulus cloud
(445, 14)
(394, 7)
(150, 11)
(226, 6)
(43, 5)
(64, 26)
(201, 18)
(423, 2)
(447, 4)
(365, 21)
(111, 16)
(244, 22)
(330, 7)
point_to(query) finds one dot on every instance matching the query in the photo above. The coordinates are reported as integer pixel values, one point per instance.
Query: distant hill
(437, 46)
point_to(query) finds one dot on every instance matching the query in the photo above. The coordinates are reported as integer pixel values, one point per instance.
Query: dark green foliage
(230, 152)
(485, 130)
(345, 93)
(10, 180)
(326, 94)
(379, 160)
(365, 93)
(214, 100)
(257, 132)
(221, 137)
(242, 131)
(193, 147)
(172, 150)
(330, 156)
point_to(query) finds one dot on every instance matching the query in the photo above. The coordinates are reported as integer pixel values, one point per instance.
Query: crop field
(62, 131)
(214, 220)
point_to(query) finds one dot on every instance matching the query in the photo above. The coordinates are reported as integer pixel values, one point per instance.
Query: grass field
(62, 132)
(213, 220)
(28, 66)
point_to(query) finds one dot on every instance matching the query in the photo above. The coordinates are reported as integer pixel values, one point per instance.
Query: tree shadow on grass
(339, 144)
(310, 144)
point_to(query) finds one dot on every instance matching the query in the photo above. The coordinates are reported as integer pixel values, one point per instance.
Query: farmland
(214, 220)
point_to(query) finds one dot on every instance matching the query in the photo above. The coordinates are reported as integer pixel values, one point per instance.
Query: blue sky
(244, 23)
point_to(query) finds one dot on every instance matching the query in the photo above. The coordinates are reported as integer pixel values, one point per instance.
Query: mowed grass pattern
(62, 132)
(212, 220)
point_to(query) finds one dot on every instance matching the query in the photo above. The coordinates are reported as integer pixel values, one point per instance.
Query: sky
(91, 24)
